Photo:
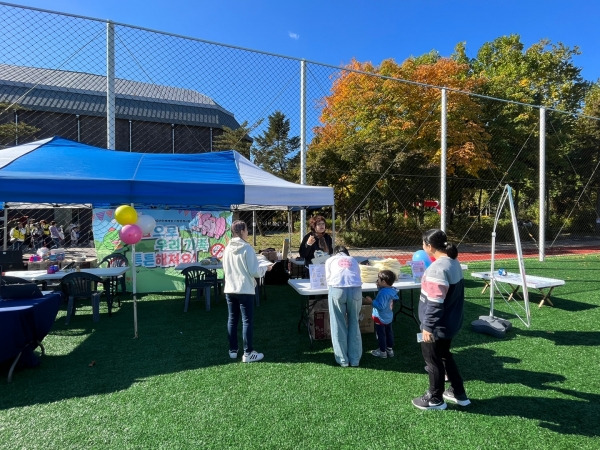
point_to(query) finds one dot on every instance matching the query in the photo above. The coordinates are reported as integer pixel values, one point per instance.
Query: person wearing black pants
(441, 307)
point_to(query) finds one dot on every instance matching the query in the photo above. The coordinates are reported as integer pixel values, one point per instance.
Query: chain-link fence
(374, 137)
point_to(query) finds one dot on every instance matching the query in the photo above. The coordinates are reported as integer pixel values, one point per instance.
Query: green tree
(11, 133)
(584, 158)
(235, 139)
(275, 151)
(543, 74)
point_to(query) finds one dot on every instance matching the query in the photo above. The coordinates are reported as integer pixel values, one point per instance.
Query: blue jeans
(385, 336)
(237, 303)
(344, 309)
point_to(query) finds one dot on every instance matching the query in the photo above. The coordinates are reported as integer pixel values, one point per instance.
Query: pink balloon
(130, 234)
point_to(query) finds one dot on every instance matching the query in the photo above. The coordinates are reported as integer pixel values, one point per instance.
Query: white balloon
(146, 223)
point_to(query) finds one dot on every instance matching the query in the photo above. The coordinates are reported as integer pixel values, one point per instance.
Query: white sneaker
(233, 354)
(252, 357)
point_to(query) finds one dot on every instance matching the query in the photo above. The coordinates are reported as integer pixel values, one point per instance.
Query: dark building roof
(84, 93)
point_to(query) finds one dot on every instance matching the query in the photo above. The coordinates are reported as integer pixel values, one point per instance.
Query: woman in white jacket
(241, 268)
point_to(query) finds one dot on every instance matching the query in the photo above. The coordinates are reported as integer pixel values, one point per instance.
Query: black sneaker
(460, 399)
(427, 402)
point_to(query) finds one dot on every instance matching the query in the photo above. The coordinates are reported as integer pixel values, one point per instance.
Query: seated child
(383, 314)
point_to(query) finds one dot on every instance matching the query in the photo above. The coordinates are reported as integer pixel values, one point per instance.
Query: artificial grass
(176, 387)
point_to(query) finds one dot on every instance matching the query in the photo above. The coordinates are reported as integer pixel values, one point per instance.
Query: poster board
(180, 236)
(316, 273)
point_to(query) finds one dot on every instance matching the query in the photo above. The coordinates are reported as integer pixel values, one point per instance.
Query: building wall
(141, 136)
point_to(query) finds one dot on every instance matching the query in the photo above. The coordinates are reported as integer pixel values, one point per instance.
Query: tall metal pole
(173, 137)
(5, 228)
(302, 139)
(443, 163)
(110, 85)
(542, 194)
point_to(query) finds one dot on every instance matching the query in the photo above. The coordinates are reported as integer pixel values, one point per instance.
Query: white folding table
(515, 281)
(302, 287)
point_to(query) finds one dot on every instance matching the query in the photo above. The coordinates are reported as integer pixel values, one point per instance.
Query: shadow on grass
(561, 415)
(570, 338)
(87, 358)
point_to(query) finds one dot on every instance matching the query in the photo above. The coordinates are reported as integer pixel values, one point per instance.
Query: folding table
(302, 287)
(515, 281)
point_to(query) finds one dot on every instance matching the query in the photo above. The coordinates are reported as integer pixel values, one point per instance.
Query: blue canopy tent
(59, 170)
(62, 171)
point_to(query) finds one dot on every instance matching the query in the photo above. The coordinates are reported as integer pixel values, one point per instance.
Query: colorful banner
(180, 236)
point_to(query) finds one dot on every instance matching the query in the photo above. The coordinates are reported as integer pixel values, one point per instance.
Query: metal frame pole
(302, 139)
(443, 162)
(542, 194)
(110, 85)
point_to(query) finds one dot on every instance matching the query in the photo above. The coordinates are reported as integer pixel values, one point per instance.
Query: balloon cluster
(134, 226)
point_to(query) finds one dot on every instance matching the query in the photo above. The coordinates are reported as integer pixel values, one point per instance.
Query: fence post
(302, 139)
(443, 163)
(110, 85)
(542, 193)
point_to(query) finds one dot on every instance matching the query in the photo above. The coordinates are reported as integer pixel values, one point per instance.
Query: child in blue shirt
(383, 313)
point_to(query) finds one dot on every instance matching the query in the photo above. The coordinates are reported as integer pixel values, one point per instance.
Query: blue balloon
(421, 255)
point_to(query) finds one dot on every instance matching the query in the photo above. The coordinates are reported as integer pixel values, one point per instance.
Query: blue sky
(335, 31)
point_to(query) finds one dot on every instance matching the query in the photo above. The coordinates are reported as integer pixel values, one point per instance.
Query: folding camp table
(515, 281)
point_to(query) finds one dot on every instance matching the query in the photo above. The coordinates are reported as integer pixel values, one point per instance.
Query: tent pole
(333, 224)
(254, 228)
(134, 289)
(135, 321)
(5, 229)
(290, 225)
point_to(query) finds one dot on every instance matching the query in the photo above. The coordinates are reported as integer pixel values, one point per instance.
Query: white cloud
(294, 36)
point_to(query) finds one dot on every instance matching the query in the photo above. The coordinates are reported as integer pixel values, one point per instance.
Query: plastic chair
(115, 260)
(79, 285)
(6, 280)
(201, 279)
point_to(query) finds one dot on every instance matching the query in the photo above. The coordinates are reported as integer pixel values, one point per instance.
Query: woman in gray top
(441, 315)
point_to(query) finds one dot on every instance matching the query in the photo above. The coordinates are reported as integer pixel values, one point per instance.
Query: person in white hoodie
(241, 268)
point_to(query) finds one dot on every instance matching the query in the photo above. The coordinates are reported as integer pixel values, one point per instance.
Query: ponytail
(439, 241)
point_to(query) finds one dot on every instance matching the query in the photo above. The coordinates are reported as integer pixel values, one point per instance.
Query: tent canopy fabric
(63, 171)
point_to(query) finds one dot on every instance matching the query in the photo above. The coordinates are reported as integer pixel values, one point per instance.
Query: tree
(584, 158)
(11, 133)
(276, 152)
(236, 139)
(377, 124)
(543, 74)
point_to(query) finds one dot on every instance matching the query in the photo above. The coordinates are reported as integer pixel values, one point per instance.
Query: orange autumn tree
(390, 124)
